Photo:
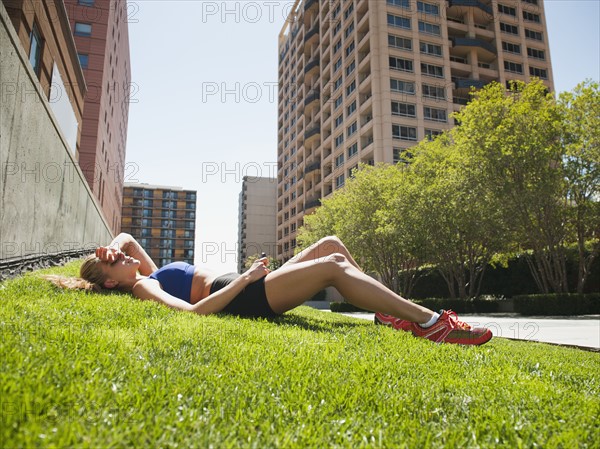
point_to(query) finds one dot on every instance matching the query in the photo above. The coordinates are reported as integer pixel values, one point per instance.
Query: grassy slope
(93, 370)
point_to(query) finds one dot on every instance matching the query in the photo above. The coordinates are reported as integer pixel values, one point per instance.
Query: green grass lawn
(107, 370)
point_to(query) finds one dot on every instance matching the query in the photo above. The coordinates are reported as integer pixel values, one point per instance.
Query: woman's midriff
(201, 284)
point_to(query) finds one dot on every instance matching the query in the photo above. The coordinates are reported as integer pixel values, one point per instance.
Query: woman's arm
(126, 244)
(150, 289)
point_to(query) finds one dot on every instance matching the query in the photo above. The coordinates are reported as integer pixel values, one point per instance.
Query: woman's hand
(109, 254)
(257, 271)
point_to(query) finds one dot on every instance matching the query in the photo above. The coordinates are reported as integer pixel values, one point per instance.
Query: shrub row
(545, 305)
(558, 304)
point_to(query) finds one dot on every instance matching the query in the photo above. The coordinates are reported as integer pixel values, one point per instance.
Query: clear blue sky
(204, 111)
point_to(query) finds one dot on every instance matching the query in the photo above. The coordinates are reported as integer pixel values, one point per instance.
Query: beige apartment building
(361, 81)
(162, 219)
(257, 218)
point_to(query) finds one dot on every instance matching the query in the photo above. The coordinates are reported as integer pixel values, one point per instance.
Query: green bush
(343, 307)
(558, 304)
(461, 305)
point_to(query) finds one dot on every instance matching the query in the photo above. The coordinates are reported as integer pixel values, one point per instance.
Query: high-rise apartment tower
(364, 80)
(100, 29)
(257, 218)
(162, 219)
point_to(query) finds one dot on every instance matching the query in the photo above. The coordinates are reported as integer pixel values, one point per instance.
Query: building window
(507, 10)
(339, 181)
(83, 29)
(337, 28)
(398, 21)
(35, 50)
(337, 103)
(536, 54)
(534, 35)
(405, 87)
(513, 67)
(399, 3)
(339, 140)
(351, 129)
(352, 150)
(530, 17)
(350, 68)
(436, 92)
(348, 11)
(428, 8)
(349, 49)
(351, 88)
(509, 47)
(431, 49)
(86, 2)
(435, 115)
(350, 109)
(403, 109)
(336, 11)
(348, 30)
(432, 70)
(339, 121)
(431, 134)
(404, 65)
(399, 42)
(532, 2)
(339, 160)
(337, 64)
(83, 60)
(337, 46)
(429, 28)
(402, 155)
(540, 73)
(509, 29)
(404, 132)
(337, 83)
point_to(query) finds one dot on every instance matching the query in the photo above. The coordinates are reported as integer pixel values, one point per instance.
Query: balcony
(312, 130)
(312, 97)
(310, 3)
(466, 83)
(312, 32)
(313, 166)
(311, 204)
(314, 62)
(472, 42)
(472, 3)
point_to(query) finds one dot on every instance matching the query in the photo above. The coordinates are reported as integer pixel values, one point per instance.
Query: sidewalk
(582, 331)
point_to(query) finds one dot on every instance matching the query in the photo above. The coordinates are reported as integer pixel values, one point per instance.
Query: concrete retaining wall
(46, 206)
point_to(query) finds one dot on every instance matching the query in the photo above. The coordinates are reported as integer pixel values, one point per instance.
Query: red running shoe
(447, 329)
(396, 323)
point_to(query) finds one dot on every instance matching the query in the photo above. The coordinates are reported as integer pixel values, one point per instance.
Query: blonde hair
(91, 278)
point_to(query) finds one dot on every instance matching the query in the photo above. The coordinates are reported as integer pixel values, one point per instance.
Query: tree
(464, 230)
(372, 215)
(580, 110)
(514, 138)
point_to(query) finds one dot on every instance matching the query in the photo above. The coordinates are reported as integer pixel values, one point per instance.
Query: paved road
(581, 331)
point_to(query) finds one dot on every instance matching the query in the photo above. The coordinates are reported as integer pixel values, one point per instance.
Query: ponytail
(92, 277)
(71, 283)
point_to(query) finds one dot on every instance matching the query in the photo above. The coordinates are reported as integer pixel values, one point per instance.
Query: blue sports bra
(176, 279)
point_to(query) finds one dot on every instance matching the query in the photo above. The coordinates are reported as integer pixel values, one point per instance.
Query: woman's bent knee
(331, 244)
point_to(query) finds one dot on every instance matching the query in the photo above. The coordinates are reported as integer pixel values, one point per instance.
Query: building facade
(361, 81)
(100, 31)
(257, 215)
(162, 219)
(45, 35)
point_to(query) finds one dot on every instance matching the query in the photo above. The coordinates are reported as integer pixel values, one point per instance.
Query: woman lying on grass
(259, 292)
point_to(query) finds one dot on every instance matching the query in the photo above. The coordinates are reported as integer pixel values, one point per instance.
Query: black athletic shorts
(251, 302)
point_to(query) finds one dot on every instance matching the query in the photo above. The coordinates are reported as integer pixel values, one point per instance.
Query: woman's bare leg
(293, 284)
(323, 248)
